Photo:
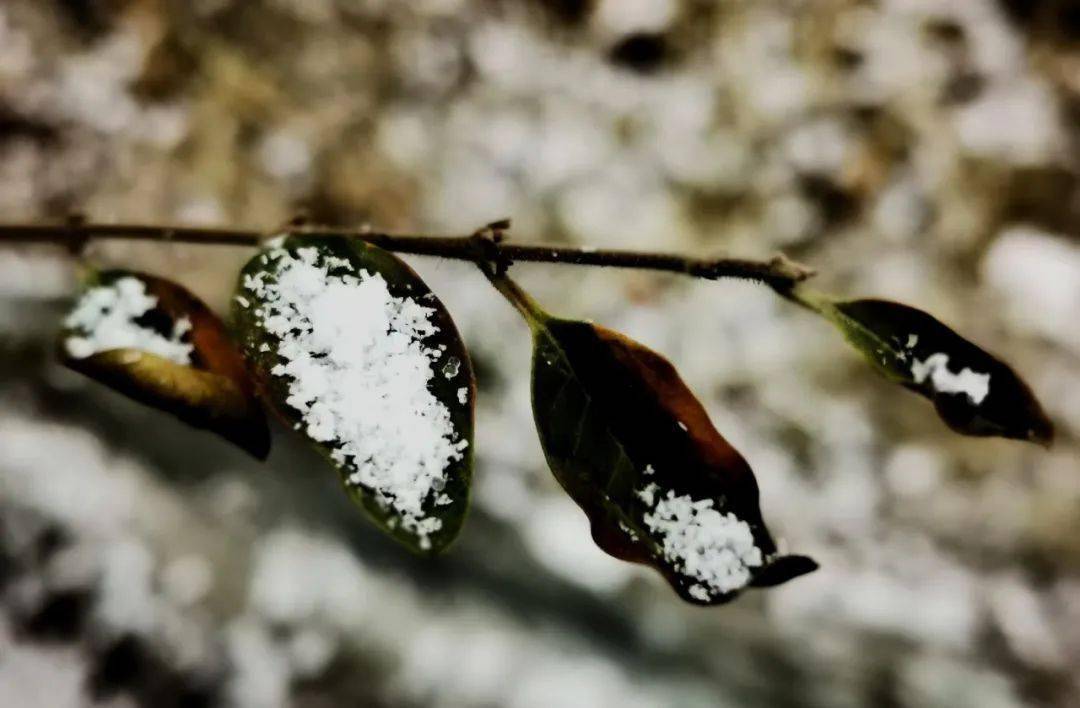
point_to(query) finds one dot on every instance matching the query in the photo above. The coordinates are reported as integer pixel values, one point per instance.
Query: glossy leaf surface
(974, 392)
(353, 350)
(635, 449)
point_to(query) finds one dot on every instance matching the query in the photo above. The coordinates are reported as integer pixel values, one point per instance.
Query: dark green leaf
(351, 348)
(157, 343)
(974, 392)
(635, 449)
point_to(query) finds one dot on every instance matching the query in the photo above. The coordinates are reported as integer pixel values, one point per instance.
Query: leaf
(155, 342)
(352, 349)
(974, 392)
(630, 443)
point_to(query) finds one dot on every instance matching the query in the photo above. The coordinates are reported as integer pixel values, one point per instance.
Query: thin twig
(779, 272)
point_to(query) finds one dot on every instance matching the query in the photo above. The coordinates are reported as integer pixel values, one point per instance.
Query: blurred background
(919, 150)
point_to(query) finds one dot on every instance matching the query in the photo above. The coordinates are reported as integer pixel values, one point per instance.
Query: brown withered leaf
(155, 342)
(636, 450)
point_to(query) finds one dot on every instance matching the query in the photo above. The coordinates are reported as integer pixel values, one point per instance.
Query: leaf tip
(255, 440)
(1041, 432)
(783, 569)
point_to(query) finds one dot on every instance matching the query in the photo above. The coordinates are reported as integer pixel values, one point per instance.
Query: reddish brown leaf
(636, 450)
(157, 343)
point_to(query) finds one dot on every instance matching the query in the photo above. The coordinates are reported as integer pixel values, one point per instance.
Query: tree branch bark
(779, 273)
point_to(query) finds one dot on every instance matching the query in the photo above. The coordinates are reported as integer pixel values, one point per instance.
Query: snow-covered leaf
(974, 392)
(157, 343)
(352, 350)
(635, 449)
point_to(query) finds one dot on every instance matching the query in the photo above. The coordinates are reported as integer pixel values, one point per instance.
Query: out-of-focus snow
(1035, 277)
(910, 149)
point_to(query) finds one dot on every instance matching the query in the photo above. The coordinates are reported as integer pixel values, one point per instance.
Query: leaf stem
(812, 300)
(534, 315)
(779, 273)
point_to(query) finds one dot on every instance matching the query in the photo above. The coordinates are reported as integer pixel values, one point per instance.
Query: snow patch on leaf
(713, 549)
(975, 385)
(106, 318)
(358, 373)
(648, 494)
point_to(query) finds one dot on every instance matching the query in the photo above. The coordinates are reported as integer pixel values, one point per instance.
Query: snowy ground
(912, 149)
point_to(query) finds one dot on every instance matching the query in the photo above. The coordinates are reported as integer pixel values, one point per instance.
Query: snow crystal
(452, 367)
(935, 367)
(648, 494)
(463, 395)
(105, 318)
(698, 592)
(712, 548)
(358, 374)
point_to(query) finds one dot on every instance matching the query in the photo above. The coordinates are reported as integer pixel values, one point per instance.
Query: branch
(779, 273)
